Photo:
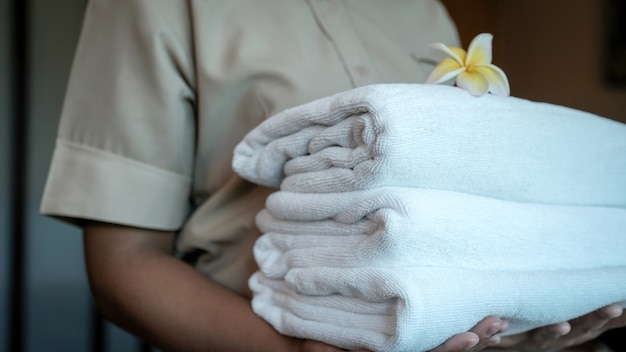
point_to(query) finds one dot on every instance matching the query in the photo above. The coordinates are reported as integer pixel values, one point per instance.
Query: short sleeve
(125, 146)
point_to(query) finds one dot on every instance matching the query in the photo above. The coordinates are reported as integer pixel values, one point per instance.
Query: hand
(550, 338)
(482, 335)
(563, 335)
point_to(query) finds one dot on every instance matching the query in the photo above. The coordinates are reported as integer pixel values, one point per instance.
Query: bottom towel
(416, 309)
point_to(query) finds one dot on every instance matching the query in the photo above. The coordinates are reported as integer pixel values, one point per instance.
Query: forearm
(166, 302)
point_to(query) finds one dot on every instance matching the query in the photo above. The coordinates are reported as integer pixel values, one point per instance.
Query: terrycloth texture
(399, 227)
(416, 309)
(408, 213)
(439, 137)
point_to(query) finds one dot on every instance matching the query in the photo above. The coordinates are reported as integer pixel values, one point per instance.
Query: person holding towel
(159, 94)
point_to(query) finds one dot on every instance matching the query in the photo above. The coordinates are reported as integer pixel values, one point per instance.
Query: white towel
(439, 137)
(416, 309)
(395, 227)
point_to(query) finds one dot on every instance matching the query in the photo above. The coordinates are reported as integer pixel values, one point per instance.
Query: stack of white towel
(407, 213)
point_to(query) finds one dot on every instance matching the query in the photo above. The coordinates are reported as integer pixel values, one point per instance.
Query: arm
(137, 284)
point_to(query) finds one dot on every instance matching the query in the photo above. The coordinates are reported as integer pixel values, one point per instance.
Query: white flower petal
(498, 82)
(453, 53)
(473, 69)
(461, 53)
(445, 70)
(479, 51)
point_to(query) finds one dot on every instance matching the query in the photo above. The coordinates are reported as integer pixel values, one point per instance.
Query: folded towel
(416, 309)
(393, 227)
(439, 137)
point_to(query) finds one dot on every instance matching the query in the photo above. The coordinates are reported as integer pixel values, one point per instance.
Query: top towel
(439, 137)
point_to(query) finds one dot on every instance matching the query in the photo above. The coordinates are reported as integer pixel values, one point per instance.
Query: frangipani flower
(473, 69)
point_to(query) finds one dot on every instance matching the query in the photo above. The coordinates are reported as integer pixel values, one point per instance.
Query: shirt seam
(332, 41)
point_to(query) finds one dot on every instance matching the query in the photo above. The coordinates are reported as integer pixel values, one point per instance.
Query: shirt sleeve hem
(88, 183)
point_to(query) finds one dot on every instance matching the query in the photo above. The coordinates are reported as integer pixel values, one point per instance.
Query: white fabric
(416, 309)
(443, 138)
(400, 227)
(407, 213)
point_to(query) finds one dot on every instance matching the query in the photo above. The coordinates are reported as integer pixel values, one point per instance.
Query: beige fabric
(162, 90)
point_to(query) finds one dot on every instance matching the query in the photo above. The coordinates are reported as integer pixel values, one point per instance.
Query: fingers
(550, 338)
(457, 343)
(482, 335)
(488, 331)
(567, 334)
(545, 336)
(617, 322)
(593, 323)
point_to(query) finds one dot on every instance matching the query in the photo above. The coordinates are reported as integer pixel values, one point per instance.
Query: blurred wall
(57, 311)
(555, 51)
(5, 153)
(552, 51)
(57, 300)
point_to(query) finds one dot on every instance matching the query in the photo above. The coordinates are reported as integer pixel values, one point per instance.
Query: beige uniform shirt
(162, 90)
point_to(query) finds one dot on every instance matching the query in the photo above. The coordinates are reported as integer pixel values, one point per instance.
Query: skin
(137, 284)
(568, 334)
